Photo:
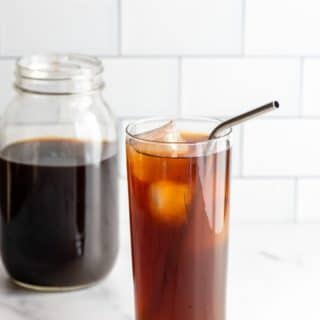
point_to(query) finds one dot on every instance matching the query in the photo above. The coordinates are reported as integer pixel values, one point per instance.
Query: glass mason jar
(58, 175)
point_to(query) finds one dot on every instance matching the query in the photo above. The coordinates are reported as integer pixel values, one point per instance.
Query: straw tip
(276, 104)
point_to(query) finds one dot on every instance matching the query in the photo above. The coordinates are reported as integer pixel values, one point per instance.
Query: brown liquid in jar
(59, 219)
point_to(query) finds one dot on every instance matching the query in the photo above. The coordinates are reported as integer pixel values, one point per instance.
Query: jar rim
(57, 73)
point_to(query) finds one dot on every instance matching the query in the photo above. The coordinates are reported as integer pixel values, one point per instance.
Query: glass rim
(58, 66)
(59, 73)
(217, 121)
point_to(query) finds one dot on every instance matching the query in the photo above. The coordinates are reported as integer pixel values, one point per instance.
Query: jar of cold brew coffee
(58, 175)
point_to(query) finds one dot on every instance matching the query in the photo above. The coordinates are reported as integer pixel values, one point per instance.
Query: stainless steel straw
(217, 132)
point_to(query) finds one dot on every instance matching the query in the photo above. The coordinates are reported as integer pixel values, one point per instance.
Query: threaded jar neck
(59, 74)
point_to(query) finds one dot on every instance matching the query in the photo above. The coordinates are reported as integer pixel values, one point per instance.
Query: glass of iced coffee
(179, 212)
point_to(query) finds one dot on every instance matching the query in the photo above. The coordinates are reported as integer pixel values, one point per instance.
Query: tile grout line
(243, 25)
(119, 27)
(266, 178)
(1, 40)
(265, 119)
(282, 117)
(295, 201)
(247, 222)
(191, 56)
(179, 89)
(301, 86)
(241, 151)
(119, 126)
(278, 177)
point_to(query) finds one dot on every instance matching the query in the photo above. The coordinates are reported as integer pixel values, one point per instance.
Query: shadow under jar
(58, 175)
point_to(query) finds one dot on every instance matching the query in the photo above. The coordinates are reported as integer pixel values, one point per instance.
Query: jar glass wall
(58, 175)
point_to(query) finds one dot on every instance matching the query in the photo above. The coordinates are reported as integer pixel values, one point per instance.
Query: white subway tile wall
(6, 82)
(122, 147)
(228, 86)
(308, 205)
(142, 87)
(211, 58)
(262, 200)
(311, 88)
(72, 26)
(282, 148)
(181, 27)
(282, 27)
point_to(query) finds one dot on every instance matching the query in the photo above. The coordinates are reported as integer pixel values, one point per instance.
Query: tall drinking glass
(179, 212)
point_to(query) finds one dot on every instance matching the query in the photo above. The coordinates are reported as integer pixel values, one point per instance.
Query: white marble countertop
(274, 273)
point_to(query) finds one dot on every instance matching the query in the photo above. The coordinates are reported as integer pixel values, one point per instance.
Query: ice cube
(166, 133)
(169, 202)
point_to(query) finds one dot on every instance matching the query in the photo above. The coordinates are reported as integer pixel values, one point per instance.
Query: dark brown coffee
(59, 219)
